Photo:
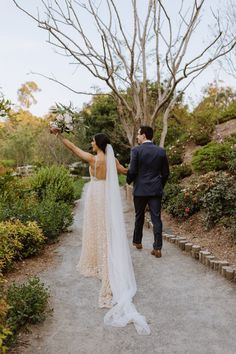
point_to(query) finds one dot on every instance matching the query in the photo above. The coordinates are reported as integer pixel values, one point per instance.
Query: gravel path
(190, 308)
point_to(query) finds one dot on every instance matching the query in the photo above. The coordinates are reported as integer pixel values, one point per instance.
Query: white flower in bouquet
(63, 122)
(60, 118)
(68, 119)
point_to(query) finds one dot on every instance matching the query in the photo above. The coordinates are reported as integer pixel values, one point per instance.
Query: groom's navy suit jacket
(149, 170)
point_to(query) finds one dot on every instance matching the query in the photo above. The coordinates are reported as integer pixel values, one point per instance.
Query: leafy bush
(5, 333)
(54, 181)
(28, 303)
(170, 191)
(179, 172)
(183, 205)
(53, 217)
(228, 114)
(78, 187)
(219, 200)
(202, 128)
(175, 154)
(212, 157)
(18, 241)
(8, 163)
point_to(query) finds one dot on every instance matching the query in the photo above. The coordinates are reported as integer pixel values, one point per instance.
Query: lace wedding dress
(105, 251)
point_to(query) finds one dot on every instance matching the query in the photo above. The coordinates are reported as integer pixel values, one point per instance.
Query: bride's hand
(54, 130)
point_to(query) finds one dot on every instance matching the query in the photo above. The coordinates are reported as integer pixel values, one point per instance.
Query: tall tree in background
(156, 47)
(26, 93)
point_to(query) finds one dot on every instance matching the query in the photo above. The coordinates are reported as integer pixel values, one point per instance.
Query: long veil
(121, 273)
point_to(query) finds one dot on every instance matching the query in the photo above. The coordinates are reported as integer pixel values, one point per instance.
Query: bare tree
(229, 63)
(127, 55)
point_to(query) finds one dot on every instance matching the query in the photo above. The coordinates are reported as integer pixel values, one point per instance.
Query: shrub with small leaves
(5, 332)
(53, 181)
(28, 303)
(203, 126)
(53, 217)
(179, 172)
(220, 200)
(175, 154)
(18, 241)
(183, 205)
(212, 157)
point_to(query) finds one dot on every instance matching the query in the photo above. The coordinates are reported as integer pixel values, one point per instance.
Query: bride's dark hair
(101, 141)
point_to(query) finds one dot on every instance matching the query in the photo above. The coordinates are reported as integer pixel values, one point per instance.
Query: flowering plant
(63, 122)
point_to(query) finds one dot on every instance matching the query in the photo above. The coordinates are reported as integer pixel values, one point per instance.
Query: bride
(105, 252)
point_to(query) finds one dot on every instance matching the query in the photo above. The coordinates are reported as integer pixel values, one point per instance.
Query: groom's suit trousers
(154, 204)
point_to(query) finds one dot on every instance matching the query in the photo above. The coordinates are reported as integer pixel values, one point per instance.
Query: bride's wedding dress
(105, 251)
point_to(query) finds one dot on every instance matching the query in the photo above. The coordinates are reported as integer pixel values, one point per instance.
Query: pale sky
(23, 49)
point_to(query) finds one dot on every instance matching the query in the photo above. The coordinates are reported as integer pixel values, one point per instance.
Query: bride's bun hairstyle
(101, 141)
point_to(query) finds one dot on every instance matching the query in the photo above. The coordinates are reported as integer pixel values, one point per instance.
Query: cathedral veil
(121, 273)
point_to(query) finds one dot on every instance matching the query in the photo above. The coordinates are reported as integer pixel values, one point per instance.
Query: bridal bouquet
(63, 122)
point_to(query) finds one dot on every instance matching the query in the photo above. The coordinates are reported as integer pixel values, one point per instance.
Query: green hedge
(213, 157)
(18, 241)
(53, 181)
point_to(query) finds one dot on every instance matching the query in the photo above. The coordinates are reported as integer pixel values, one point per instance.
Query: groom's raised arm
(133, 168)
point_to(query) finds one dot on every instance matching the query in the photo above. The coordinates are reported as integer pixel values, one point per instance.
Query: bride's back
(98, 168)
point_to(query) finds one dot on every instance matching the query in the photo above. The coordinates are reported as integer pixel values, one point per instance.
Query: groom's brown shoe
(139, 246)
(156, 253)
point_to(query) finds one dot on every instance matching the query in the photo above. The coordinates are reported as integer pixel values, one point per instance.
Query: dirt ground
(218, 240)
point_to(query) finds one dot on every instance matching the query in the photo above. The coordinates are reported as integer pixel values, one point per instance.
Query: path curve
(190, 308)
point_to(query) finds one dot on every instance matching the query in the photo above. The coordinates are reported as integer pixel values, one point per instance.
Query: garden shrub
(170, 191)
(5, 332)
(78, 187)
(220, 199)
(183, 205)
(202, 127)
(18, 241)
(212, 157)
(175, 154)
(8, 163)
(54, 181)
(228, 114)
(53, 217)
(178, 172)
(28, 303)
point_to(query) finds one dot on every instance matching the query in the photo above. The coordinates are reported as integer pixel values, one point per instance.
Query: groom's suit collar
(147, 141)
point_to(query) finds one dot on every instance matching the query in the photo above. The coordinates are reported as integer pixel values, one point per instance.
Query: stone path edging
(205, 257)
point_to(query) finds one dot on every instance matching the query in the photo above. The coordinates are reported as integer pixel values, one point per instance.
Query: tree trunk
(165, 126)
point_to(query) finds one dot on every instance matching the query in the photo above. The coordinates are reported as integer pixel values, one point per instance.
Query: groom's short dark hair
(148, 131)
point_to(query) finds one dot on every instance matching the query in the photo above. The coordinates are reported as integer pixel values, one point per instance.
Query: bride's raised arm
(83, 155)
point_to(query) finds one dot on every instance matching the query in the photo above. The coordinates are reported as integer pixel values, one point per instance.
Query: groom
(149, 170)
